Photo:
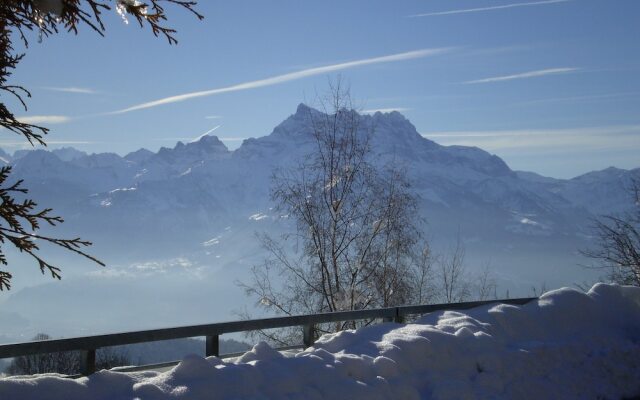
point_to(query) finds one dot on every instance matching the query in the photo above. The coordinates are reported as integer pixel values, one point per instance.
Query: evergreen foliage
(21, 219)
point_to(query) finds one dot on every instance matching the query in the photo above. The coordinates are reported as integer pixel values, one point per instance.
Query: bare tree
(357, 225)
(538, 291)
(618, 247)
(61, 362)
(455, 284)
(423, 276)
(485, 284)
(358, 242)
(19, 218)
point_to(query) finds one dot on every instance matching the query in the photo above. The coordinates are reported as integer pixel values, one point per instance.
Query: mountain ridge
(394, 139)
(390, 123)
(177, 227)
(197, 186)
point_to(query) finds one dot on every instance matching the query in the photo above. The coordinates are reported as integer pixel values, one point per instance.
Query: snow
(458, 188)
(567, 344)
(526, 224)
(212, 242)
(122, 190)
(258, 216)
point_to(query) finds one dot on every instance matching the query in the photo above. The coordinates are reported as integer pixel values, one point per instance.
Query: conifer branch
(20, 220)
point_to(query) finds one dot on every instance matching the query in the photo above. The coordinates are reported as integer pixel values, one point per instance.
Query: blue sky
(550, 86)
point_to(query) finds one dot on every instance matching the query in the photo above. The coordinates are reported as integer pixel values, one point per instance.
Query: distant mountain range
(180, 196)
(201, 201)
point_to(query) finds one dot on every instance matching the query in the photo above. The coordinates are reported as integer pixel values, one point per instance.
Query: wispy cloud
(386, 110)
(213, 117)
(56, 142)
(492, 8)
(205, 134)
(599, 137)
(78, 90)
(187, 139)
(44, 119)
(585, 98)
(524, 75)
(275, 80)
(26, 144)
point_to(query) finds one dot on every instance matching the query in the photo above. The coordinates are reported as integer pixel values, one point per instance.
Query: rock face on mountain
(178, 199)
(177, 227)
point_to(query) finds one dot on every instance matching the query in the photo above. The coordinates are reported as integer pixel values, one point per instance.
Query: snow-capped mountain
(193, 210)
(182, 195)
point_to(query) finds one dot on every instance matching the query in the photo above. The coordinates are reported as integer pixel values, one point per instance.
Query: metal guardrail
(88, 345)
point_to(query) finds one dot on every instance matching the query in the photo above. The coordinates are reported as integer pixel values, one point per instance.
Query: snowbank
(567, 345)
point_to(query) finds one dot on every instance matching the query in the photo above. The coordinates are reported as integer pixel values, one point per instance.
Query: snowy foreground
(567, 345)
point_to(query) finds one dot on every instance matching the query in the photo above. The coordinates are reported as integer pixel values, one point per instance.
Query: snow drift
(567, 344)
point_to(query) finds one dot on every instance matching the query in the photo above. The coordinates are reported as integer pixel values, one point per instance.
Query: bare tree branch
(357, 222)
(618, 247)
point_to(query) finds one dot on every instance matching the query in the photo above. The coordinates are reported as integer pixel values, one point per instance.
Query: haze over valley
(177, 227)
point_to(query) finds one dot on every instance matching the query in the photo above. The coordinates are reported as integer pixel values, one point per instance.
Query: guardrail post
(212, 346)
(308, 335)
(87, 361)
(398, 319)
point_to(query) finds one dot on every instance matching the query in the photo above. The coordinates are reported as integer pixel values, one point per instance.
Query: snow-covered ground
(566, 345)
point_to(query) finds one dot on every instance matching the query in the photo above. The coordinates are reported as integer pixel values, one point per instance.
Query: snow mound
(567, 344)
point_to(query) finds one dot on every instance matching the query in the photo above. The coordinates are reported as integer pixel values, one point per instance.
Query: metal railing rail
(88, 345)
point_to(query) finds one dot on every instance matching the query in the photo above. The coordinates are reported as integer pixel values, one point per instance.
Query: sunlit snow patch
(258, 217)
(525, 223)
(108, 201)
(141, 173)
(565, 345)
(211, 242)
(131, 189)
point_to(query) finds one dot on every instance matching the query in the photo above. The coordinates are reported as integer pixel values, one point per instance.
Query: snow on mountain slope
(184, 156)
(147, 208)
(600, 191)
(139, 156)
(91, 173)
(567, 345)
(68, 153)
(5, 158)
(172, 201)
